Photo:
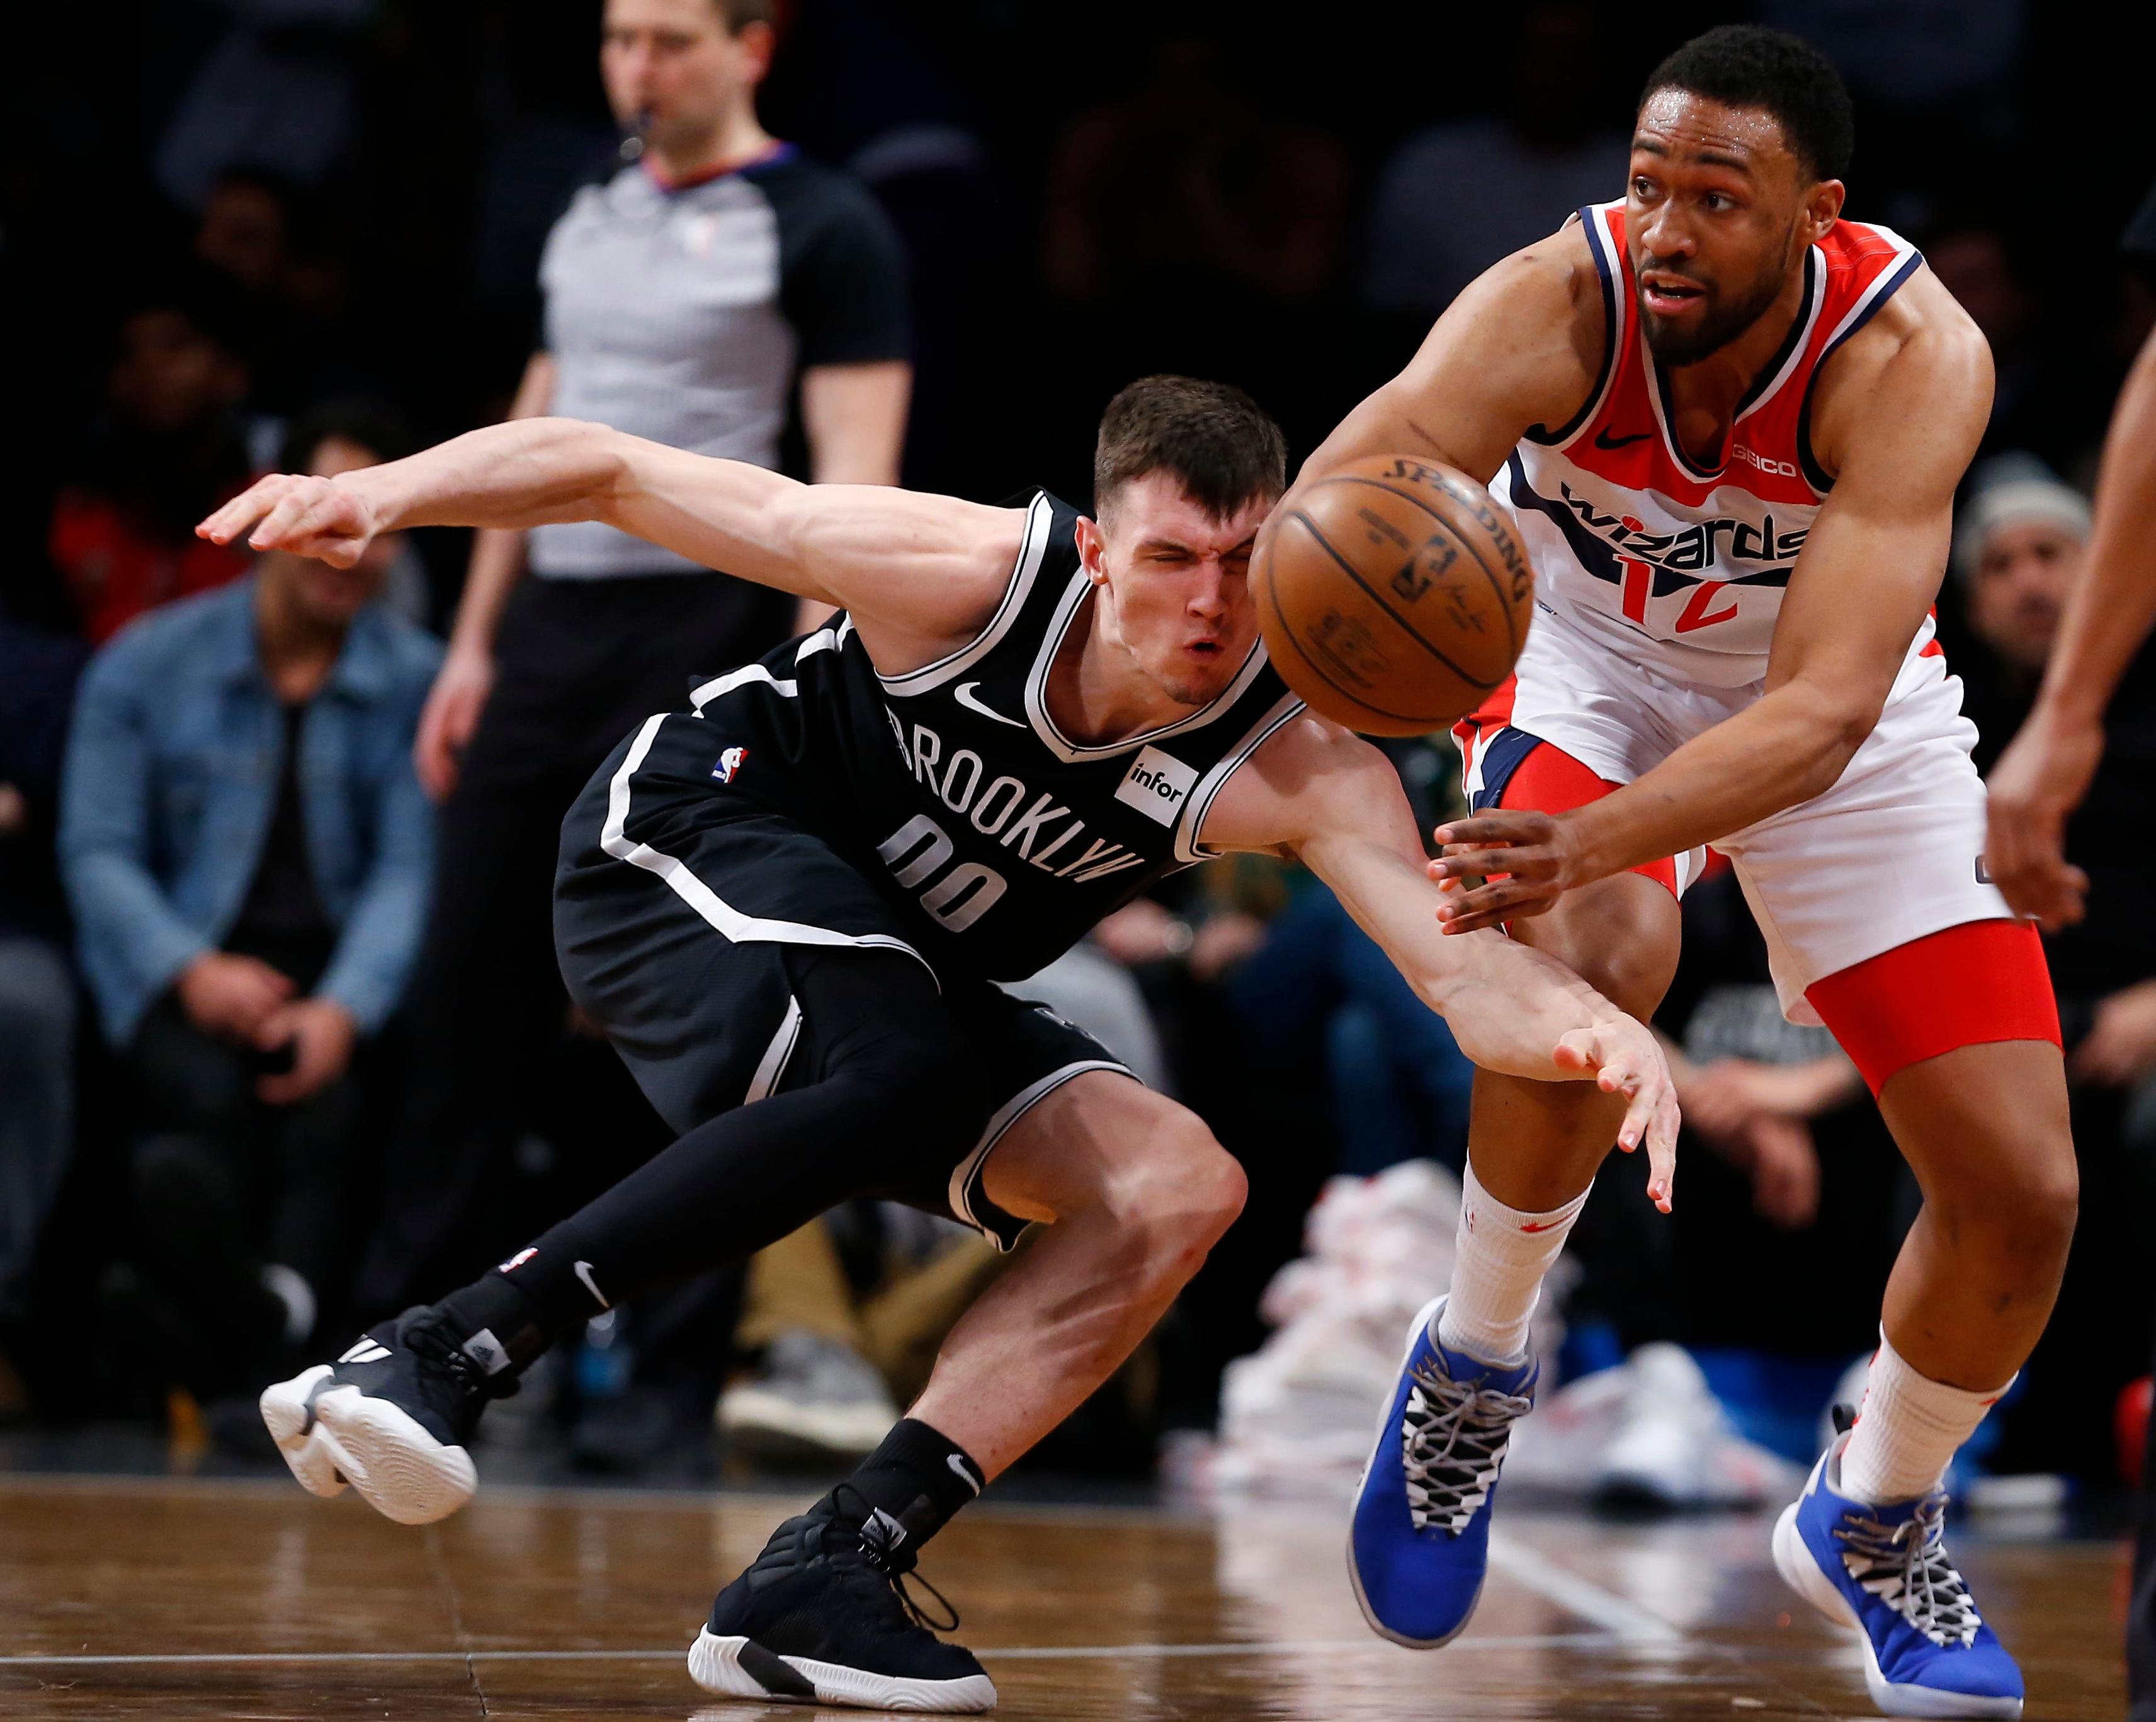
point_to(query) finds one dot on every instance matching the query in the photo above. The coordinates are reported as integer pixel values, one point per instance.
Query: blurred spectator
(2020, 546)
(696, 295)
(261, 231)
(1192, 168)
(247, 850)
(1454, 199)
(2018, 549)
(278, 87)
(38, 673)
(171, 446)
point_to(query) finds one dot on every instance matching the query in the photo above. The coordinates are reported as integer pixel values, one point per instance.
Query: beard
(1721, 323)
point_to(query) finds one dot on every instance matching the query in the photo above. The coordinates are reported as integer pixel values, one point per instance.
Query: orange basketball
(1395, 595)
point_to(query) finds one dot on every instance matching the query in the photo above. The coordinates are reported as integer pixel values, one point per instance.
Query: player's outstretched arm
(2042, 776)
(1900, 433)
(1334, 802)
(926, 565)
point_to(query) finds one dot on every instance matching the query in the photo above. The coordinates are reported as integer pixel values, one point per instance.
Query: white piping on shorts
(771, 1068)
(1006, 1115)
(731, 923)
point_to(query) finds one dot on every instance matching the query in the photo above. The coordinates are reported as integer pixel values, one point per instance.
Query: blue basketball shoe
(1420, 1542)
(1884, 1570)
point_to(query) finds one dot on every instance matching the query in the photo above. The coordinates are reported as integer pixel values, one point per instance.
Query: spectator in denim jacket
(249, 854)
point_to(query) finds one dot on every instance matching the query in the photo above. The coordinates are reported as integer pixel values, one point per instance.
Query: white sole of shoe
(739, 1668)
(285, 1411)
(1354, 1575)
(761, 1422)
(1802, 1573)
(399, 1469)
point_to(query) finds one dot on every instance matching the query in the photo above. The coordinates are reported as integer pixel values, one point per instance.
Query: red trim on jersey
(1968, 985)
(1550, 780)
(1765, 457)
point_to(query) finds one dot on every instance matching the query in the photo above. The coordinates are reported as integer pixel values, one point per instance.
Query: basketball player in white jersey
(1729, 425)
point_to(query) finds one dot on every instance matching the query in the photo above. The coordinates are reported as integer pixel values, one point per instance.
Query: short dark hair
(368, 420)
(739, 14)
(1750, 66)
(1220, 445)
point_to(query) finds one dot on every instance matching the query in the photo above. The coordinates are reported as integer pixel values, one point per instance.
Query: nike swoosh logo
(1605, 441)
(1541, 1225)
(591, 1285)
(958, 1469)
(963, 694)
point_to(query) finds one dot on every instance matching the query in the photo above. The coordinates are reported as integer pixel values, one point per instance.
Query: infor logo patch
(1156, 784)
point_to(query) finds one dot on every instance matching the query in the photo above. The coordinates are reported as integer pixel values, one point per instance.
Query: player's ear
(1823, 209)
(1092, 550)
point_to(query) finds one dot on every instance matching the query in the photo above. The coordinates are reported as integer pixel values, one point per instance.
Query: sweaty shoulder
(1920, 354)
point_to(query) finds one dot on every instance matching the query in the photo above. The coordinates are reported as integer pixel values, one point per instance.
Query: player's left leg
(1983, 1126)
(1138, 1191)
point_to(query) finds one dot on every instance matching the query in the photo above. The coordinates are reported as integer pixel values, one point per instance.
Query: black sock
(918, 1477)
(503, 1326)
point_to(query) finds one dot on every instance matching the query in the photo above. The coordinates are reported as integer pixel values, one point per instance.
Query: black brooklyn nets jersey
(998, 841)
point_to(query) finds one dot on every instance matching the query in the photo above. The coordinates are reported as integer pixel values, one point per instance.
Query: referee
(714, 293)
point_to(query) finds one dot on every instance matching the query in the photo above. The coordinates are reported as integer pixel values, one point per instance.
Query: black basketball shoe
(393, 1417)
(824, 1617)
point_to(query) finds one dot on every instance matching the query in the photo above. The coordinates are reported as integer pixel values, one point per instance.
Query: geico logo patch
(1156, 784)
(1750, 457)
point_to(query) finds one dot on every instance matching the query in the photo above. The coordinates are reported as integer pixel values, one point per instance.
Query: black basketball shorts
(674, 912)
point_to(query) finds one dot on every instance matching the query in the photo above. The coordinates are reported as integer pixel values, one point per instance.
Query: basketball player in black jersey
(796, 893)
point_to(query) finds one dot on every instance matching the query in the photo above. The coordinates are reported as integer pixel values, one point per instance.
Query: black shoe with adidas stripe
(393, 1416)
(824, 1617)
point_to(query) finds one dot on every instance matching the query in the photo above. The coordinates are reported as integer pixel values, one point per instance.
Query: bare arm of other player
(1898, 416)
(1333, 801)
(2042, 776)
(918, 574)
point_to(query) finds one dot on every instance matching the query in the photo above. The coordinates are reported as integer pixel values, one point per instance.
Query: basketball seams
(1294, 637)
(1496, 586)
(1398, 621)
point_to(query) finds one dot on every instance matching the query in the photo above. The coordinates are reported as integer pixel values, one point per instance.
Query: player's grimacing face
(1718, 211)
(1177, 585)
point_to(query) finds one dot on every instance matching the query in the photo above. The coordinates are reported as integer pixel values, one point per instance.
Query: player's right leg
(1420, 1546)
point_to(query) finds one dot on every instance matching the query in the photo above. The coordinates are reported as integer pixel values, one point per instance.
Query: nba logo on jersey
(1156, 785)
(729, 762)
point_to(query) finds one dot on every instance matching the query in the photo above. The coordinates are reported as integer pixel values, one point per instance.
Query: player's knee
(1180, 1191)
(2021, 1210)
(1625, 945)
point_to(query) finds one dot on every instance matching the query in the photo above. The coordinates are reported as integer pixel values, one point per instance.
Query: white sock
(1906, 1430)
(1499, 1261)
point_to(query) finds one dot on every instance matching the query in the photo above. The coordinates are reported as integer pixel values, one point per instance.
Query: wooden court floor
(180, 1598)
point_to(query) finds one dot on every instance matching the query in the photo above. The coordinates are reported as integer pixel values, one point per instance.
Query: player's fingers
(1478, 863)
(1580, 1049)
(280, 528)
(1498, 827)
(1662, 1151)
(227, 523)
(1492, 905)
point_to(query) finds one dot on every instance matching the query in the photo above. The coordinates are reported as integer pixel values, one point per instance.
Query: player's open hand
(1628, 1059)
(326, 518)
(1526, 860)
(2038, 780)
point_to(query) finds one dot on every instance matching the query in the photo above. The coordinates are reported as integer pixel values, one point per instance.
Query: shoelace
(1454, 1437)
(1906, 1568)
(1452, 1444)
(892, 1562)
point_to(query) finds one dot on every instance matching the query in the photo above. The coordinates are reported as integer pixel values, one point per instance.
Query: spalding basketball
(1395, 595)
